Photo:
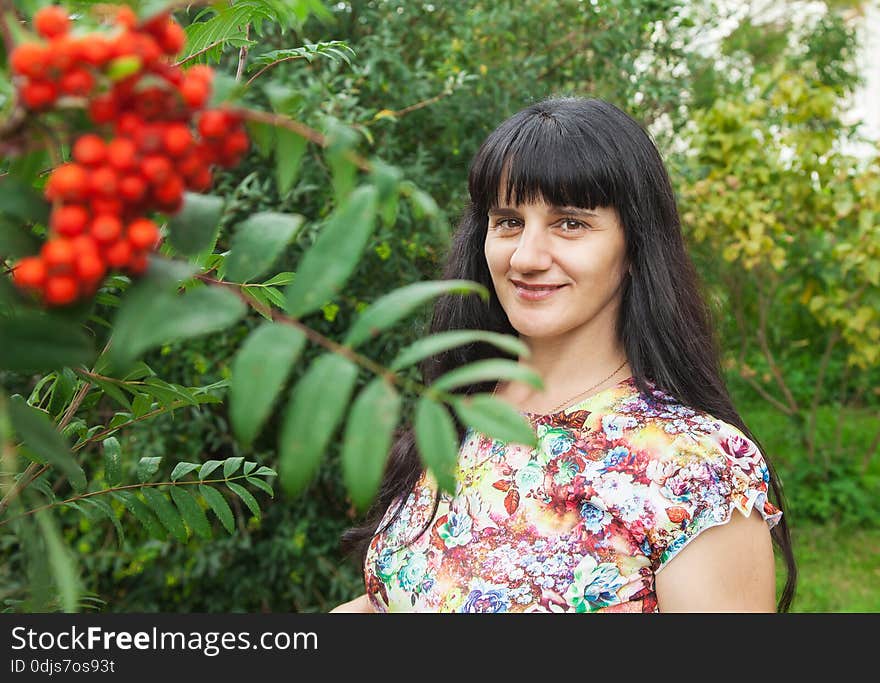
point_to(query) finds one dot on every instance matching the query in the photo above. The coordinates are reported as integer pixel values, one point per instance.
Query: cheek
(496, 259)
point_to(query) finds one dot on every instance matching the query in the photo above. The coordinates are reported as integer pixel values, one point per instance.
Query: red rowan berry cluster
(153, 141)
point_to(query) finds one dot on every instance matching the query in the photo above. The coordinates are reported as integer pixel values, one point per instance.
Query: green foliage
(349, 198)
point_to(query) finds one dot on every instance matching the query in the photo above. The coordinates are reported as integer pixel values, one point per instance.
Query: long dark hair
(584, 153)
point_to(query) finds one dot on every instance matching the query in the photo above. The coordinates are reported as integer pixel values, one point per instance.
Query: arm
(728, 568)
(360, 604)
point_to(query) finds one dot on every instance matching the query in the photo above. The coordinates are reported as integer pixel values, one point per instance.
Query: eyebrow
(553, 209)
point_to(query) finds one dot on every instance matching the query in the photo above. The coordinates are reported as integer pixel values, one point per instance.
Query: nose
(532, 251)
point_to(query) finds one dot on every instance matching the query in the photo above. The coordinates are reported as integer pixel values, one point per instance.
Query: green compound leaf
(485, 370)
(39, 435)
(259, 371)
(317, 403)
(495, 418)
(398, 304)
(437, 440)
(258, 241)
(231, 465)
(39, 343)
(219, 505)
(142, 513)
(328, 264)
(166, 512)
(147, 467)
(181, 469)
(367, 440)
(443, 341)
(192, 514)
(246, 496)
(150, 316)
(104, 507)
(112, 461)
(195, 226)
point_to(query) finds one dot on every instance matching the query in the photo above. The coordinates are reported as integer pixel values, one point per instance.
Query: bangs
(536, 156)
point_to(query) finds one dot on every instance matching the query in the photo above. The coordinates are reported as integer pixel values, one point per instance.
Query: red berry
(90, 267)
(213, 124)
(29, 59)
(103, 182)
(236, 143)
(67, 182)
(69, 220)
(30, 273)
(122, 153)
(106, 228)
(107, 205)
(177, 139)
(138, 263)
(201, 181)
(156, 169)
(126, 17)
(89, 149)
(128, 124)
(77, 82)
(84, 244)
(51, 21)
(60, 290)
(201, 72)
(148, 138)
(170, 193)
(143, 234)
(57, 253)
(103, 108)
(63, 53)
(95, 50)
(173, 38)
(145, 47)
(39, 94)
(132, 188)
(118, 254)
(194, 91)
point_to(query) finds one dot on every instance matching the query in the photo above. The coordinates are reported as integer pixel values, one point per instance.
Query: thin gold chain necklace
(585, 391)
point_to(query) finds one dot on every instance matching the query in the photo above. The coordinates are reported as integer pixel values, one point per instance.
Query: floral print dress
(617, 486)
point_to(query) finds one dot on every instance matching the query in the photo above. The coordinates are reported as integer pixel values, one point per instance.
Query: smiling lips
(535, 292)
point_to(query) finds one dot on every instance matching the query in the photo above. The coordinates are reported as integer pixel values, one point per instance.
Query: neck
(571, 363)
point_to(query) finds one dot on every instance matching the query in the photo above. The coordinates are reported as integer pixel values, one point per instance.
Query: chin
(534, 329)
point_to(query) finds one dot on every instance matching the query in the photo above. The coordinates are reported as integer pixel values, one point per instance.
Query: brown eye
(507, 224)
(573, 225)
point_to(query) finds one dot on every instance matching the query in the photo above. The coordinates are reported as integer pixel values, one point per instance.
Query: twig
(768, 354)
(833, 338)
(242, 54)
(199, 53)
(119, 488)
(302, 130)
(269, 66)
(411, 108)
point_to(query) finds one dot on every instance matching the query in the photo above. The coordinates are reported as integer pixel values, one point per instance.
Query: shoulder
(687, 471)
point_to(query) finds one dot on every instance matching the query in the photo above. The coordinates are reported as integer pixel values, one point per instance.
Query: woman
(643, 463)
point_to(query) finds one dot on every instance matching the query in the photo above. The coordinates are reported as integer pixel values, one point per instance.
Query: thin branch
(411, 108)
(768, 354)
(833, 338)
(269, 66)
(765, 394)
(92, 494)
(302, 130)
(242, 55)
(200, 52)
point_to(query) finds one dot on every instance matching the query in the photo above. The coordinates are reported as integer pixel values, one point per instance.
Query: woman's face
(556, 270)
